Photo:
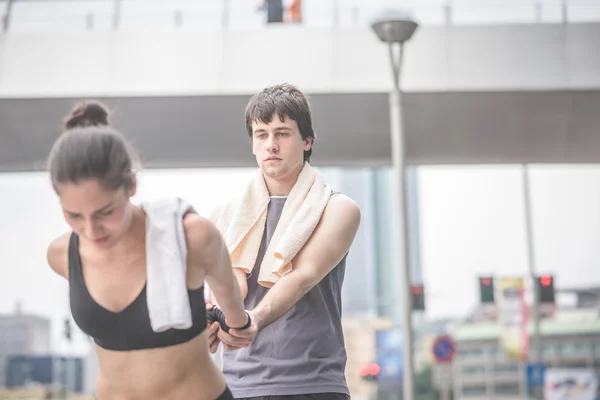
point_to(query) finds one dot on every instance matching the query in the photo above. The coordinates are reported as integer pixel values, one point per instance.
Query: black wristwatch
(216, 314)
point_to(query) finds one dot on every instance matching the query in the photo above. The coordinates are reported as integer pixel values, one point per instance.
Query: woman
(104, 260)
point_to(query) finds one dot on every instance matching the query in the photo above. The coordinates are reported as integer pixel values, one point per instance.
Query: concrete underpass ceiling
(352, 129)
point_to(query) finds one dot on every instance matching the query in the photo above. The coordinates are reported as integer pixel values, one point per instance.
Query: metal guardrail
(110, 15)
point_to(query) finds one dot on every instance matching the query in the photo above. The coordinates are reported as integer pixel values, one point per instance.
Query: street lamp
(395, 27)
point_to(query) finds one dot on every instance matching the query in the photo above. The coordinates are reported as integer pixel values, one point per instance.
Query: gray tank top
(303, 351)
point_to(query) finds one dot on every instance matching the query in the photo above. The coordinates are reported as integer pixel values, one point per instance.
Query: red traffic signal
(486, 290)
(546, 280)
(545, 289)
(374, 369)
(417, 297)
(417, 289)
(370, 372)
(364, 371)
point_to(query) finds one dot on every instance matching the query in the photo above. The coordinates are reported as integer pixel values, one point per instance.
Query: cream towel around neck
(242, 222)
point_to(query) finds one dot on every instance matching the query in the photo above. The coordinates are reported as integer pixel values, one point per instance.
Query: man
(294, 348)
(274, 10)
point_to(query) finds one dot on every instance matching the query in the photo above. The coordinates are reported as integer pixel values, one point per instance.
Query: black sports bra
(129, 329)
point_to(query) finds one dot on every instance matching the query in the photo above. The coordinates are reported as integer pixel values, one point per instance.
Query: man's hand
(213, 338)
(214, 341)
(239, 338)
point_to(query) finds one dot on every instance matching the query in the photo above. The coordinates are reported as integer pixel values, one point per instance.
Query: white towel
(166, 264)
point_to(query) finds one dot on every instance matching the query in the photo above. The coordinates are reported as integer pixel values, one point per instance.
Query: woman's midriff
(184, 371)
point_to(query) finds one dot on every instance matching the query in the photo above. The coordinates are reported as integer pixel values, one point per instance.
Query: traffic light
(545, 288)
(486, 290)
(418, 297)
(370, 372)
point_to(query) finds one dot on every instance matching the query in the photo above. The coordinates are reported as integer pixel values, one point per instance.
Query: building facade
(22, 335)
(481, 371)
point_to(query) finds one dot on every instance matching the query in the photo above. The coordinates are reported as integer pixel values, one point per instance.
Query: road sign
(535, 374)
(444, 349)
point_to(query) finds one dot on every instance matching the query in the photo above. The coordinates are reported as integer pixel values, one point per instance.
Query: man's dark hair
(281, 100)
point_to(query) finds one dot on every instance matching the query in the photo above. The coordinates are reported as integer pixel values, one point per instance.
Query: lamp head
(394, 26)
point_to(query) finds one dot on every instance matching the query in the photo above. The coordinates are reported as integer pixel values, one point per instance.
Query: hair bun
(87, 113)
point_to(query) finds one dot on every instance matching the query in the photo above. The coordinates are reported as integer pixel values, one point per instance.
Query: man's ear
(308, 143)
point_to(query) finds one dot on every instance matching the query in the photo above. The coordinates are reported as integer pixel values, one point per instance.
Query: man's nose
(272, 144)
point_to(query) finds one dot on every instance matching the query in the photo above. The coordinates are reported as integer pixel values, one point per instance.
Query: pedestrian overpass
(495, 93)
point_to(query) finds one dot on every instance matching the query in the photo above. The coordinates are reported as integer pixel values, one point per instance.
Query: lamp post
(531, 263)
(395, 28)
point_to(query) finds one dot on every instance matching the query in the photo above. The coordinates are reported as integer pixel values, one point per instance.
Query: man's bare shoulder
(340, 219)
(341, 209)
(58, 255)
(330, 241)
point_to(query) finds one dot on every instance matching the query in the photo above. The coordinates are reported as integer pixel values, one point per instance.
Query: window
(576, 348)
(471, 353)
(504, 368)
(472, 370)
(573, 364)
(506, 389)
(496, 351)
(473, 390)
(550, 349)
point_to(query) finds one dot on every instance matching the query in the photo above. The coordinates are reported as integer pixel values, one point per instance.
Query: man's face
(279, 147)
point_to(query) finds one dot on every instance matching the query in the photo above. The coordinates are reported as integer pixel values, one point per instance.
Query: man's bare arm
(240, 276)
(327, 246)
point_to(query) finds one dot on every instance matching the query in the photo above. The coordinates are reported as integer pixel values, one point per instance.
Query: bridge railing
(214, 15)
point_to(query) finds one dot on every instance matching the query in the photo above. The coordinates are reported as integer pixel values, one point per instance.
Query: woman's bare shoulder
(58, 255)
